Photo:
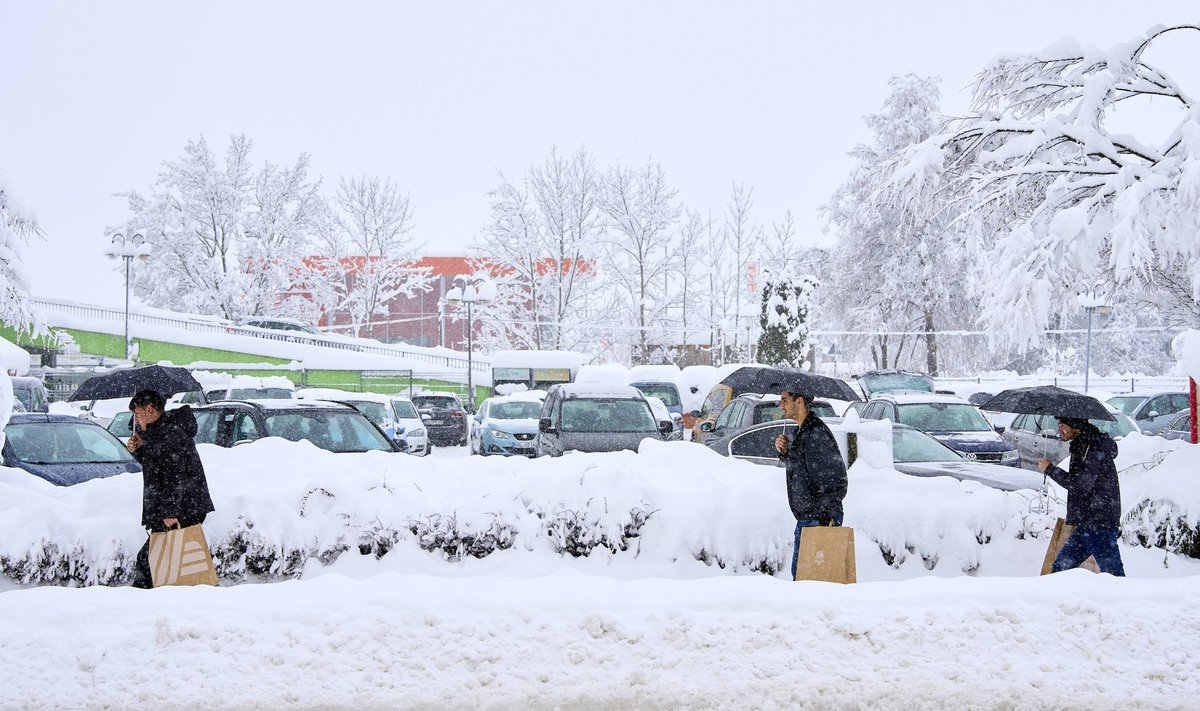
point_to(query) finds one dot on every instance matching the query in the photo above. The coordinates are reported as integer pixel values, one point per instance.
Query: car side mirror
(1153, 413)
(706, 427)
(1050, 434)
(999, 428)
(544, 425)
(694, 413)
(666, 427)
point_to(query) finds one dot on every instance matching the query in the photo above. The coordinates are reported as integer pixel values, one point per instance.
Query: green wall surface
(153, 351)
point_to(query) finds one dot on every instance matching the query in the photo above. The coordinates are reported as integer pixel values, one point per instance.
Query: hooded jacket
(173, 481)
(816, 475)
(1093, 492)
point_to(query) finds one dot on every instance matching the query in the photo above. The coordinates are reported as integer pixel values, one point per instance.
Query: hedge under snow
(285, 508)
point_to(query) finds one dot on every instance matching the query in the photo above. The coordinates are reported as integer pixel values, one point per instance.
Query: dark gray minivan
(591, 417)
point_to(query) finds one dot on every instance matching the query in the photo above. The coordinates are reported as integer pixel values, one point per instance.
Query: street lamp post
(1090, 300)
(470, 290)
(128, 248)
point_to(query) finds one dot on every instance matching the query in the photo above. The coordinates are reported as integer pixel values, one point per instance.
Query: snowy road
(570, 640)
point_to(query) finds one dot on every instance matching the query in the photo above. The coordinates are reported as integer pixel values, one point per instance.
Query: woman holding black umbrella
(174, 488)
(1093, 497)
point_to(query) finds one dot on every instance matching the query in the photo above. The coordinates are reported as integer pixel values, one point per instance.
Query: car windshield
(1126, 403)
(405, 410)
(121, 424)
(336, 431)
(375, 411)
(443, 401)
(25, 395)
(822, 409)
(64, 443)
(524, 410)
(596, 415)
(891, 382)
(207, 422)
(260, 394)
(767, 413)
(666, 392)
(1115, 428)
(943, 417)
(915, 446)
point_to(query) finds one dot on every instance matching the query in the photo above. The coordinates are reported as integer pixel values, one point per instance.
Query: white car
(393, 414)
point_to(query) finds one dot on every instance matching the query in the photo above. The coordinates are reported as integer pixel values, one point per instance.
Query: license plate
(433, 422)
(521, 445)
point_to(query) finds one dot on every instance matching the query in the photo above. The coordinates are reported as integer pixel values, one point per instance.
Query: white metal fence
(104, 313)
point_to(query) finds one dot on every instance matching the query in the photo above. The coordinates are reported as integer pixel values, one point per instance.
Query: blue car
(64, 450)
(506, 425)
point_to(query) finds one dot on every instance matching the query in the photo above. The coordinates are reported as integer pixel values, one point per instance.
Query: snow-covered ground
(605, 581)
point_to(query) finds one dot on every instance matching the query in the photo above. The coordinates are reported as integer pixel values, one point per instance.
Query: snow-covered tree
(901, 263)
(641, 209)
(17, 225)
(227, 239)
(786, 301)
(1066, 198)
(367, 229)
(547, 230)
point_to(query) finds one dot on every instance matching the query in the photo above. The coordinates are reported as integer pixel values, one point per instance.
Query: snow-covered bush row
(283, 508)
(1161, 501)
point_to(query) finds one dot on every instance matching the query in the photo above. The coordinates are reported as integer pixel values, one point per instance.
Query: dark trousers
(141, 567)
(807, 523)
(1099, 543)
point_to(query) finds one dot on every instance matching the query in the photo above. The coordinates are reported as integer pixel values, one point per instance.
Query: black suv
(444, 417)
(752, 409)
(330, 426)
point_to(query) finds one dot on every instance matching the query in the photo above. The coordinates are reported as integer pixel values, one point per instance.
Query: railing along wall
(110, 314)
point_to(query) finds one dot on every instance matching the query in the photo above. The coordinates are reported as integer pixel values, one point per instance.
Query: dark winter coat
(1093, 493)
(816, 475)
(173, 481)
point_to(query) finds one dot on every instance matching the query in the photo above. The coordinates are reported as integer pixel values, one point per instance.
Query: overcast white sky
(439, 97)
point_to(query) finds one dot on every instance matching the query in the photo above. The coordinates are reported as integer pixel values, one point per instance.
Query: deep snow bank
(567, 640)
(287, 510)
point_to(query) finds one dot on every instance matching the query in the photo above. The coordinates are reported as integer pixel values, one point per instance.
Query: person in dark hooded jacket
(1093, 497)
(816, 474)
(174, 488)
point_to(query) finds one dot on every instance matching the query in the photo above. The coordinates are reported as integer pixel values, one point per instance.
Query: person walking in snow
(1093, 497)
(174, 488)
(816, 475)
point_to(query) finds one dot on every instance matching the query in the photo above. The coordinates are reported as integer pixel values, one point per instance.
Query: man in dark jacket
(174, 488)
(1093, 497)
(816, 475)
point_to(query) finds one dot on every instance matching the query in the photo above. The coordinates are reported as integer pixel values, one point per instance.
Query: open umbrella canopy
(1048, 400)
(128, 382)
(765, 379)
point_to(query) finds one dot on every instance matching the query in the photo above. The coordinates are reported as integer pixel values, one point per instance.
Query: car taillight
(458, 414)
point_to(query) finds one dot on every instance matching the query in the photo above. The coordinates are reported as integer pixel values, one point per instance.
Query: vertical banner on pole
(1192, 402)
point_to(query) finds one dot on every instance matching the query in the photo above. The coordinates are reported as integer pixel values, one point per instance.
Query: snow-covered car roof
(281, 404)
(335, 394)
(574, 390)
(525, 396)
(911, 397)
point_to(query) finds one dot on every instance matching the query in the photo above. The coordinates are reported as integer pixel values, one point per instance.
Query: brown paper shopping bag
(826, 553)
(180, 557)
(1058, 539)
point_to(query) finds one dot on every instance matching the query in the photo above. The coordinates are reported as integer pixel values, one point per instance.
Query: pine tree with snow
(784, 319)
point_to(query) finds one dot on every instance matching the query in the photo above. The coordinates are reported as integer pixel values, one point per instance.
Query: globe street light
(128, 249)
(470, 290)
(1091, 299)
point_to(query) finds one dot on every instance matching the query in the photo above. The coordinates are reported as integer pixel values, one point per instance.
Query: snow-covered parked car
(507, 425)
(63, 450)
(381, 411)
(950, 420)
(597, 418)
(331, 426)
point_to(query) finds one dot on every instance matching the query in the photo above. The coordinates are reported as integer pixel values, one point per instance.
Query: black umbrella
(755, 379)
(129, 382)
(1048, 400)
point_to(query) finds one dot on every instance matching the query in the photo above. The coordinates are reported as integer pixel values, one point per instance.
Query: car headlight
(499, 434)
(419, 432)
(1010, 456)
